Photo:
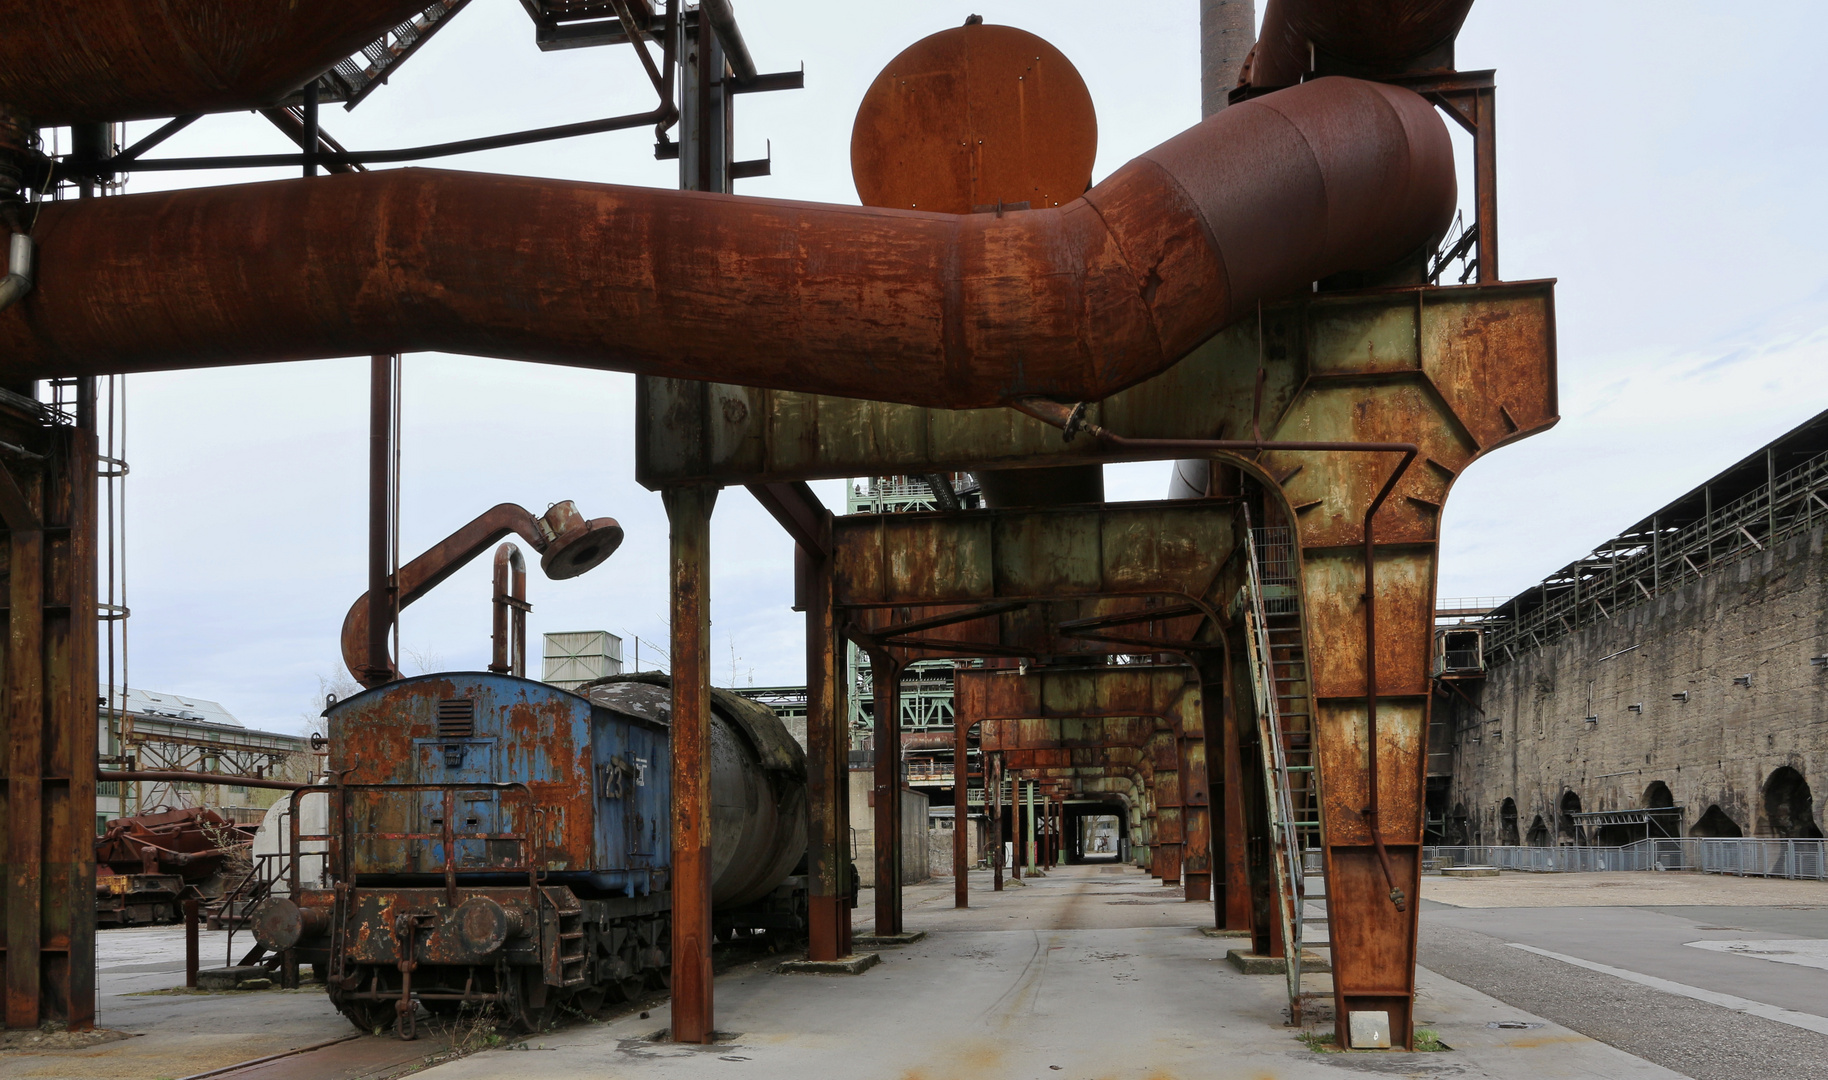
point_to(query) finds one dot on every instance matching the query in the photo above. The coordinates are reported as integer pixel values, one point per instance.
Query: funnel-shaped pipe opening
(576, 545)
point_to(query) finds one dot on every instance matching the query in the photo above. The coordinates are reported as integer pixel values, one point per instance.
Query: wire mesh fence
(1805, 860)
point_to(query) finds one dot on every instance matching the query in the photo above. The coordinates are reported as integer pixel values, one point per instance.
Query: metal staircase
(1276, 646)
(355, 77)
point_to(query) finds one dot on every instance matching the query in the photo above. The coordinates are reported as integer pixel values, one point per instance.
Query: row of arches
(1788, 804)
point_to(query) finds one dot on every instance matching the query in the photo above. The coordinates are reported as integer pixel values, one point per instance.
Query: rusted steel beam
(1486, 349)
(689, 514)
(1006, 694)
(1078, 301)
(1034, 555)
(793, 504)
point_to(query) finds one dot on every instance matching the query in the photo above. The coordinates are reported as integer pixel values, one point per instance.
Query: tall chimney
(1228, 28)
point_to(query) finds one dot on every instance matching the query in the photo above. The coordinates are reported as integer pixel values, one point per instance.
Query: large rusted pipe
(1077, 301)
(18, 279)
(1361, 37)
(108, 60)
(177, 776)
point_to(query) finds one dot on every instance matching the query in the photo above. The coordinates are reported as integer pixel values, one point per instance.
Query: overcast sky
(1663, 162)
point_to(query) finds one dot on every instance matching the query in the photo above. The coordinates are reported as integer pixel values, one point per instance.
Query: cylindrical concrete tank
(758, 784)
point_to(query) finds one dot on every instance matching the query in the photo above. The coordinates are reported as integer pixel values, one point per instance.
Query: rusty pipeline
(181, 777)
(1075, 301)
(510, 645)
(1070, 419)
(1371, 38)
(111, 60)
(568, 545)
(18, 279)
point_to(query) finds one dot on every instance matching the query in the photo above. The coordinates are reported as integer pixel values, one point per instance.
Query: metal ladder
(1275, 643)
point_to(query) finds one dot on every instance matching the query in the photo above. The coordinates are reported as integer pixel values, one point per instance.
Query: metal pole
(190, 943)
(311, 128)
(1029, 847)
(1017, 843)
(1485, 183)
(380, 471)
(993, 790)
(689, 514)
(961, 882)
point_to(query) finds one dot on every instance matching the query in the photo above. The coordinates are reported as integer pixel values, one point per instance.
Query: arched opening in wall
(1566, 831)
(1790, 806)
(1456, 825)
(1665, 819)
(1539, 833)
(1715, 824)
(1507, 823)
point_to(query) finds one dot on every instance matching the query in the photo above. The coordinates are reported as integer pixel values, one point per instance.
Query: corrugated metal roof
(172, 706)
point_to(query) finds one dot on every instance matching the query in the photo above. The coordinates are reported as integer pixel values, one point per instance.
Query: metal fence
(1798, 859)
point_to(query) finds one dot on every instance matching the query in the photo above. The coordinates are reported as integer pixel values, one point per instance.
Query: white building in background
(575, 657)
(153, 731)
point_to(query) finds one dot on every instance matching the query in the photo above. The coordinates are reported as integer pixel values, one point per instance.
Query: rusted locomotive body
(497, 841)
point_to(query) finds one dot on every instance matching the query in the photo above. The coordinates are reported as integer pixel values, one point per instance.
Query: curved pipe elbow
(1076, 302)
(568, 543)
(19, 277)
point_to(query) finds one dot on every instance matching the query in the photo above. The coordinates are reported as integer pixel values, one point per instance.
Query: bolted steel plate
(973, 116)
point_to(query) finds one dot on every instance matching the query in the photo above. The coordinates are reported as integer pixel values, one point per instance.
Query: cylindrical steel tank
(758, 784)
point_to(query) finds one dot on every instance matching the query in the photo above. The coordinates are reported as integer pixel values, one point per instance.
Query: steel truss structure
(1778, 492)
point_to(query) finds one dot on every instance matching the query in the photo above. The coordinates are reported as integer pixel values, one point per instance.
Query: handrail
(1275, 766)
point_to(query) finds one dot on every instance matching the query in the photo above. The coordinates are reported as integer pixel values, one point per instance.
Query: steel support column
(1232, 910)
(47, 723)
(885, 679)
(827, 772)
(829, 885)
(993, 787)
(1196, 810)
(689, 515)
(961, 777)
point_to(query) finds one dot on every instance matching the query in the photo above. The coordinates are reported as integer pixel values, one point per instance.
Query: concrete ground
(1095, 971)
(1715, 977)
(1088, 972)
(176, 1033)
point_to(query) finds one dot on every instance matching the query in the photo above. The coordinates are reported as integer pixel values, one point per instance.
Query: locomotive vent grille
(456, 718)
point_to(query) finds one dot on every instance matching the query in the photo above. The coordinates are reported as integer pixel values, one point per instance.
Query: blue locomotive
(497, 841)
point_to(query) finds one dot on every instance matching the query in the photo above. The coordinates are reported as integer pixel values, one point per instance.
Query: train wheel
(522, 1014)
(370, 1017)
(590, 999)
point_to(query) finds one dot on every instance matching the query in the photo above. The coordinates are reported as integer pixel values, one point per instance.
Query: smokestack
(1228, 28)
